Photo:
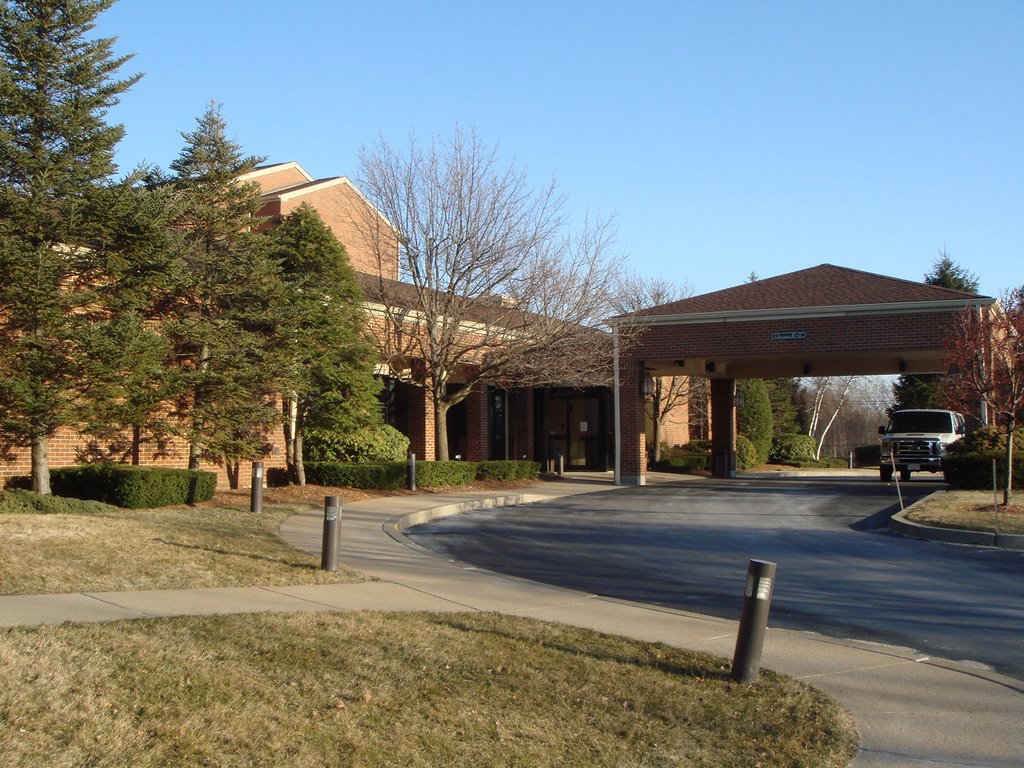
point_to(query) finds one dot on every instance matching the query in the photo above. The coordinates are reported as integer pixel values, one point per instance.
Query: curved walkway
(911, 710)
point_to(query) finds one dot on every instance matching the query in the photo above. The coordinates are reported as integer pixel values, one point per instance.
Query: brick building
(491, 423)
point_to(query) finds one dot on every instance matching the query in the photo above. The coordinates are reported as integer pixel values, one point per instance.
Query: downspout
(615, 401)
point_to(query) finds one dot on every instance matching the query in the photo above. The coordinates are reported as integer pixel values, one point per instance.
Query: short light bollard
(332, 533)
(757, 601)
(256, 489)
(561, 464)
(410, 473)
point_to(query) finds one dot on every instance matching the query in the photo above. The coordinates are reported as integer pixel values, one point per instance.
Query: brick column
(723, 427)
(422, 435)
(633, 466)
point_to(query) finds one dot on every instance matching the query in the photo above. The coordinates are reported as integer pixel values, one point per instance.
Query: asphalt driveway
(840, 572)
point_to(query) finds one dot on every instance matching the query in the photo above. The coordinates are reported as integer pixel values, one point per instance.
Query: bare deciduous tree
(636, 292)
(494, 286)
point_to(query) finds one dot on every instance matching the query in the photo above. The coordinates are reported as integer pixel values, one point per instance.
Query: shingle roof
(823, 286)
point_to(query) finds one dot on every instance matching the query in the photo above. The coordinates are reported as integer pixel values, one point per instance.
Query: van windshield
(920, 421)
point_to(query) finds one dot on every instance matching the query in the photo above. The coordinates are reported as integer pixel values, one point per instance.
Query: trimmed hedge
(429, 474)
(441, 473)
(681, 461)
(507, 470)
(387, 477)
(974, 470)
(133, 487)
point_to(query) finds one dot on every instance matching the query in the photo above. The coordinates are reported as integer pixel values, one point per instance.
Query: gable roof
(823, 286)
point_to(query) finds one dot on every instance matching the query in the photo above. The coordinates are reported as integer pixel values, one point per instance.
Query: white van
(917, 440)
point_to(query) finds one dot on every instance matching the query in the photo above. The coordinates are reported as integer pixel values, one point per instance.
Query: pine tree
(220, 322)
(754, 419)
(56, 152)
(329, 382)
(924, 390)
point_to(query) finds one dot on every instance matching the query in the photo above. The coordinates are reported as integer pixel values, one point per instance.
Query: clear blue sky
(726, 137)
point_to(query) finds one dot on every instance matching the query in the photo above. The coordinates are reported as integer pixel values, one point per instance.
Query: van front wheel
(904, 475)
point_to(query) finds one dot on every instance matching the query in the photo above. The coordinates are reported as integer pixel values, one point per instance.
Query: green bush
(792, 449)
(695, 446)
(987, 440)
(680, 461)
(392, 475)
(369, 445)
(974, 470)
(507, 470)
(124, 485)
(867, 455)
(389, 477)
(17, 501)
(746, 453)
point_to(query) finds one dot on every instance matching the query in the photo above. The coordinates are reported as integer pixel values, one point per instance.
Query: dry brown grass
(169, 548)
(392, 690)
(969, 510)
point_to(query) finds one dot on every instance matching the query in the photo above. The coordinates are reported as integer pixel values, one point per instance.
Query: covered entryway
(821, 321)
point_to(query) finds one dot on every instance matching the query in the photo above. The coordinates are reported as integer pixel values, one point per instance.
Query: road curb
(899, 524)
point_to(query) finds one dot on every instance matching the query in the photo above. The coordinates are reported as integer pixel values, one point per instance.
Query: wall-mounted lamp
(709, 366)
(903, 366)
(647, 385)
(807, 369)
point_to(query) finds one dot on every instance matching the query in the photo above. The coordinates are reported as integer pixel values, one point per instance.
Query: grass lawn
(969, 510)
(368, 689)
(96, 547)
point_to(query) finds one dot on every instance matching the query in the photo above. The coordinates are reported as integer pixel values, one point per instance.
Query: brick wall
(371, 244)
(825, 335)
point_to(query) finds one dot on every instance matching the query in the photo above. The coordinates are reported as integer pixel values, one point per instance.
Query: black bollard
(256, 489)
(410, 473)
(332, 533)
(757, 601)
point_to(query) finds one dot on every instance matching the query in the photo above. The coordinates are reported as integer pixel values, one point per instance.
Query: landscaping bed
(969, 511)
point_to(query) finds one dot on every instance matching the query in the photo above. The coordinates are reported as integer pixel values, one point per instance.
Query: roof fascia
(277, 168)
(793, 313)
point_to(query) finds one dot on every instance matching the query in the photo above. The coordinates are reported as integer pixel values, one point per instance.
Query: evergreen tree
(219, 320)
(924, 390)
(754, 419)
(328, 380)
(56, 152)
(946, 273)
(128, 381)
(782, 393)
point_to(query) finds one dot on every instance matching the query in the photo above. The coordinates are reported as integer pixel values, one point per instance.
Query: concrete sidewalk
(911, 710)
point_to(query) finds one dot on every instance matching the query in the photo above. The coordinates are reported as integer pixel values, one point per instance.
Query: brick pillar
(633, 466)
(422, 435)
(477, 425)
(723, 427)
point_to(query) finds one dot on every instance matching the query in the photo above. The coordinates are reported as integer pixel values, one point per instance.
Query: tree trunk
(195, 446)
(441, 429)
(136, 445)
(40, 464)
(232, 468)
(292, 455)
(1008, 488)
(300, 461)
